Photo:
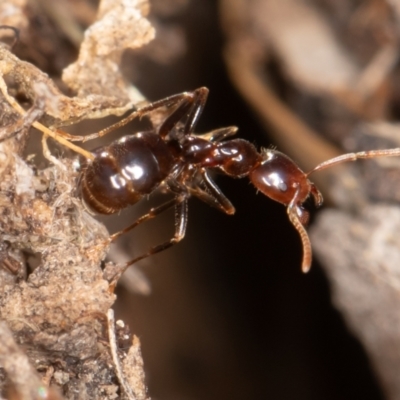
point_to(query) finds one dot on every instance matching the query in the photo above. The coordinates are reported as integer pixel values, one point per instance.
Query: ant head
(279, 178)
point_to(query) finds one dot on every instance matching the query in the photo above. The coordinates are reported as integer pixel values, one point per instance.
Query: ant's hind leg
(180, 230)
(150, 215)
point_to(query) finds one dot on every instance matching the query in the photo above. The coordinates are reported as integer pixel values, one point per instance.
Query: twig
(114, 353)
(42, 128)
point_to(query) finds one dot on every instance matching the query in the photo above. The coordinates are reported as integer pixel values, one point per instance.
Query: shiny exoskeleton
(175, 158)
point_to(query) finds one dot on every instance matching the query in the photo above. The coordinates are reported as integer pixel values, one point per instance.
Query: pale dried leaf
(121, 25)
(58, 311)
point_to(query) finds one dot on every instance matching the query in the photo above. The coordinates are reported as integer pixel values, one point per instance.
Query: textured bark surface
(360, 252)
(56, 336)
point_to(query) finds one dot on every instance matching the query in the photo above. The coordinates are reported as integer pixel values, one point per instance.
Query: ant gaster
(174, 157)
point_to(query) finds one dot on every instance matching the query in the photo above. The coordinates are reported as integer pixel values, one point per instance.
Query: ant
(173, 157)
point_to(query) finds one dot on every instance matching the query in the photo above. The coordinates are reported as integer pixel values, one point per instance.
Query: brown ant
(175, 158)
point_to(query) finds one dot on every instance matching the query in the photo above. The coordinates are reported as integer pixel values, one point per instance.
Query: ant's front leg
(206, 190)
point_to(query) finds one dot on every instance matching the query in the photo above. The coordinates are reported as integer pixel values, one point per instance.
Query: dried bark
(56, 338)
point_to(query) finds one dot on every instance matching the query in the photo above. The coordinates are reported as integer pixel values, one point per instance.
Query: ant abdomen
(126, 170)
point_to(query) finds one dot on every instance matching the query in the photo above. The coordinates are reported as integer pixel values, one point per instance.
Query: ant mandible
(174, 157)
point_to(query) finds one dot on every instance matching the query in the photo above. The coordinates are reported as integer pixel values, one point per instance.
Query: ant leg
(200, 97)
(219, 134)
(39, 126)
(186, 99)
(294, 216)
(26, 121)
(190, 107)
(192, 102)
(211, 194)
(150, 215)
(139, 113)
(355, 156)
(68, 136)
(180, 230)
